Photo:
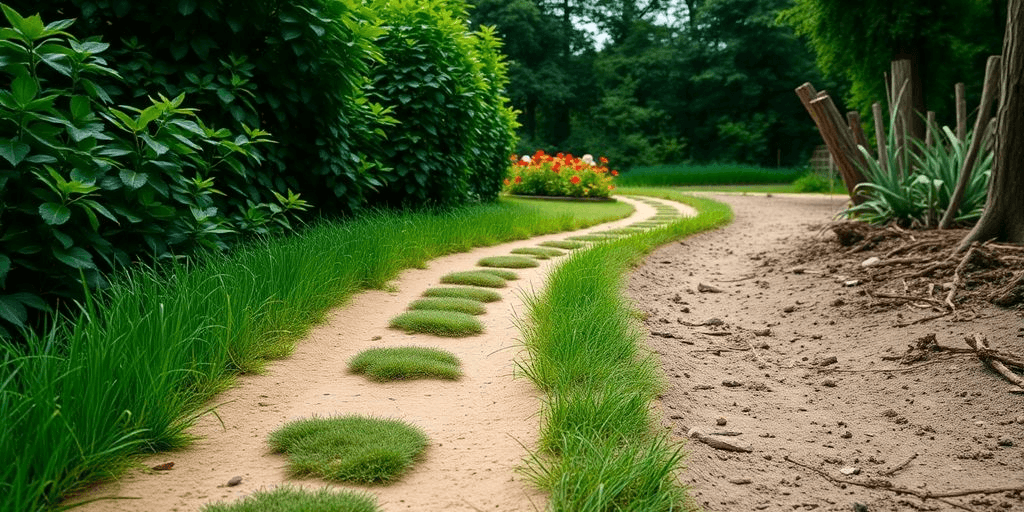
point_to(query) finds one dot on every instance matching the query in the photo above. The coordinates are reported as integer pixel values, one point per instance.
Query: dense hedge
(445, 85)
(392, 102)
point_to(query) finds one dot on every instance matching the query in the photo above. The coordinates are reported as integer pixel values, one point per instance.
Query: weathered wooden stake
(883, 153)
(837, 137)
(988, 95)
(858, 131)
(961, 112)
(904, 108)
(928, 136)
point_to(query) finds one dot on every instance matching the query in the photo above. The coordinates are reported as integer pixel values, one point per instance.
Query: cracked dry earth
(800, 370)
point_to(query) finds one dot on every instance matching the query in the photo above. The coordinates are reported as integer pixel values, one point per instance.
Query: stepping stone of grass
(350, 449)
(507, 275)
(292, 499)
(405, 363)
(474, 278)
(468, 306)
(508, 262)
(464, 293)
(562, 244)
(621, 231)
(664, 217)
(450, 324)
(541, 253)
(593, 238)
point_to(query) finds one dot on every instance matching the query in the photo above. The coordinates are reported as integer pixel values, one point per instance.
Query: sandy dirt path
(810, 385)
(479, 427)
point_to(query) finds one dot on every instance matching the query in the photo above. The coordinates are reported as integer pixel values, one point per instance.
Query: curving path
(480, 427)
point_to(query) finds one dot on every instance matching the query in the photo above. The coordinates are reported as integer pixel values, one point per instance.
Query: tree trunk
(1003, 218)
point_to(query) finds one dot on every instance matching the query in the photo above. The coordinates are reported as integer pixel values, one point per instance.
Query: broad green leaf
(54, 214)
(12, 310)
(132, 179)
(5, 267)
(158, 147)
(75, 257)
(31, 300)
(13, 151)
(80, 107)
(186, 7)
(24, 89)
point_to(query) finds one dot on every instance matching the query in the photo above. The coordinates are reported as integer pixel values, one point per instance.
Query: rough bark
(1003, 218)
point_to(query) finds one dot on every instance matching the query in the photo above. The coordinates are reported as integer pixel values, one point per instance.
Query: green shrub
(90, 188)
(445, 85)
(813, 183)
(290, 499)
(350, 448)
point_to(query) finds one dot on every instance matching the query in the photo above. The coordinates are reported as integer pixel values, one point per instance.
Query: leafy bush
(444, 85)
(560, 175)
(297, 69)
(89, 187)
(813, 183)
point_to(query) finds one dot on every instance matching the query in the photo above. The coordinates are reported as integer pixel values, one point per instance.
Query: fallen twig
(899, 467)
(958, 277)
(712, 333)
(923, 320)
(908, 298)
(980, 344)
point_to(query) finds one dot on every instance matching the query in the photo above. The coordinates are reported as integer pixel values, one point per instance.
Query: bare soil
(773, 339)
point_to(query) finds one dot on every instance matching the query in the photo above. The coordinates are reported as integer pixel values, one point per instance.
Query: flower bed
(561, 175)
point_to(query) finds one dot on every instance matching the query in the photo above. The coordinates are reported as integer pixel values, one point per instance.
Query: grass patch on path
(468, 306)
(508, 262)
(600, 449)
(474, 278)
(130, 373)
(507, 275)
(541, 253)
(406, 363)
(291, 499)
(450, 324)
(461, 292)
(563, 244)
(350, 449)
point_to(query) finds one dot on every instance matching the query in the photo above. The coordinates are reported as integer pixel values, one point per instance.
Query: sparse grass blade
(508, 262)
(474, 278)
(406, 363)
(439, 323)
(464, 293)
(350, 449)
(468, 306)
(292, 499)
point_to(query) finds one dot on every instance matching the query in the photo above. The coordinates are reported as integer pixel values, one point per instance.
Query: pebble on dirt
(722, 421)
(235, 480)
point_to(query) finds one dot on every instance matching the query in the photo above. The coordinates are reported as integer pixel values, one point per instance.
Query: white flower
(588, 159)
(526, 158)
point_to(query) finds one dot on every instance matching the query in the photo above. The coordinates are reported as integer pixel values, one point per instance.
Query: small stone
(979, 423)
(731, 383)
(1005, 441)
(847, 435)
(722, 421)
(1020, 419)
(714, 321)
(740, 481)
(870, 261)
(706, 288)
(826, 361)
(167, 466)
(375, 338)
(838, 302)
(235, 480)
(852, 282)
(789, 309)
(763, 332)
(849, 470)
(828, 383)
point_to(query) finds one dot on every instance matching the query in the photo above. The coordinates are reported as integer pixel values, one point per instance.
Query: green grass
(133, 371)
(508, 262)
(541, 253)
(600, 448)
(405, 363)
(460, 292)
(507, 275)
(450, 324)
(468, 306)
(474, 278)
(562, 244)
(712, 174)
(650, 224)
(290, 499)
(620, 231)
(350, 449)
(592, 238)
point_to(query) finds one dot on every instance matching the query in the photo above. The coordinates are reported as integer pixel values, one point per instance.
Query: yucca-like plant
(918, 196)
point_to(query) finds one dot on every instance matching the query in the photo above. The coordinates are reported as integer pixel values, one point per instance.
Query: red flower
(574, 180)
(513, 158)
(611, 187)
(507, 182)
(560, 155)
(615, 173)
(603, 160)
(557, 167)
(519, 179)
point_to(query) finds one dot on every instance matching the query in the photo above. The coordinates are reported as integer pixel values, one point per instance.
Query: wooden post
(832, 130)
(904, 108)
(858, 131)
(928, 136)
(961, 112)
(988, 96)
(883, 153)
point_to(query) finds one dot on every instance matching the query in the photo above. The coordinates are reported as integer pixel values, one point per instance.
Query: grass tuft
(405, 363)
(593, 238)
(450, 324)
(464, 293)
(350, 449)
(291, 499)
(621, 231)
(562, 244)
(468, 306)
(541, 253)
(508, 262)
(507, 275)
(474, 278)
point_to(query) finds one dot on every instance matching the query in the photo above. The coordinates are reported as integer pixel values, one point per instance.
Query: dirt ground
(769, 348)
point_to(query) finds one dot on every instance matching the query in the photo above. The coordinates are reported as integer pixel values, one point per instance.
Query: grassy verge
(599, 449)
(711, 174)
(135, 369)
